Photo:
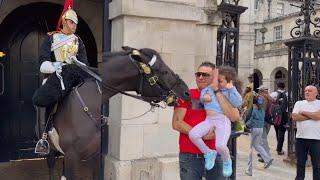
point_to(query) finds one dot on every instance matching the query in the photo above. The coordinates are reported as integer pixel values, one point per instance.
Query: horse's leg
(71, 164)
(51, 160)
(95, 165)
(63, 171)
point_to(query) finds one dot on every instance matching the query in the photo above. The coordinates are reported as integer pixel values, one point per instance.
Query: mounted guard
(61, 54)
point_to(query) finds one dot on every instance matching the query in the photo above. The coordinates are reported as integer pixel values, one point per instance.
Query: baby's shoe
(227, 168)
(210, 158)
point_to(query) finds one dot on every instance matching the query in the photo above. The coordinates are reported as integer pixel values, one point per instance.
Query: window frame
(277, 33)
(280, 4)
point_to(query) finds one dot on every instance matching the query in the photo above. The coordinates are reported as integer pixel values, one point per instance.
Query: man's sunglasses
(203, 74)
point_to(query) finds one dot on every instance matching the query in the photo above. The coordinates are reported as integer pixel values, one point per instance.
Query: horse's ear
(136, 55)
(127, 48)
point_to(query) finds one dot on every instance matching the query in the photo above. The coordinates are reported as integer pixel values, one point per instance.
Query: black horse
(77, 119)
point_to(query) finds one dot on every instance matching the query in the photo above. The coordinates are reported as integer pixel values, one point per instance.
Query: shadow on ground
(36, 169)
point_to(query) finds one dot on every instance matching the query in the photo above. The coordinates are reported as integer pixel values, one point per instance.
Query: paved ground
(279, 170)
(34, 170)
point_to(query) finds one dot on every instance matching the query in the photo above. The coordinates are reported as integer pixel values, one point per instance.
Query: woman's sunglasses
(203, 74)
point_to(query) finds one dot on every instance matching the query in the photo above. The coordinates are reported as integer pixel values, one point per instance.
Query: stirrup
(42, 146)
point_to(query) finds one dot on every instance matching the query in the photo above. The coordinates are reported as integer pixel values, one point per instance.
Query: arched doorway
(257, 79)
(22, 33)
(279, 74)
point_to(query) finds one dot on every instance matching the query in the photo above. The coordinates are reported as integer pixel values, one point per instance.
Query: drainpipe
(106, 47)
(269, 9)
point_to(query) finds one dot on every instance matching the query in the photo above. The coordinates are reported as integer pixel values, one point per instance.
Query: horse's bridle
(145, 72)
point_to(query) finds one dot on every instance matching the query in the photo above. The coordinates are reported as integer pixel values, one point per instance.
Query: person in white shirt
(306, 113)
(281, 129)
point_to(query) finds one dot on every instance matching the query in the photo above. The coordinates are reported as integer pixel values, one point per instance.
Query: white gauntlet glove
(48, 67)
(57, 66)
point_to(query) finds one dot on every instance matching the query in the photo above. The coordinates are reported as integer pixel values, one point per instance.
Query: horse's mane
(146, 51)
(149, 52)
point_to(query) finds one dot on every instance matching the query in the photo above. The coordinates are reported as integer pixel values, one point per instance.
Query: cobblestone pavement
(279, 170)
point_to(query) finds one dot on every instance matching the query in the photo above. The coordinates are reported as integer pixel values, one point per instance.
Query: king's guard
(59, 53)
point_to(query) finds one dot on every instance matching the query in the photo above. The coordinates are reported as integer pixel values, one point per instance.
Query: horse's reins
(144, 70)
(98, 78)
(153, 80)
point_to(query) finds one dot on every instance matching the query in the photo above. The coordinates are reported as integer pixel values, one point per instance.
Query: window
(280, 9)
(277, 33)
(280, 75)
(258, 36)
(257, 4)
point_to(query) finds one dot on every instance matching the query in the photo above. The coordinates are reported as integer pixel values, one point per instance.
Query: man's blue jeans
(192, 168)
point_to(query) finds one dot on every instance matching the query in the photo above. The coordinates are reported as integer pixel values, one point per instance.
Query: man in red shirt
(187, 115)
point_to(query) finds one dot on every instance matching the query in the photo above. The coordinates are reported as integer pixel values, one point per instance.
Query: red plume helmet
(67, 13)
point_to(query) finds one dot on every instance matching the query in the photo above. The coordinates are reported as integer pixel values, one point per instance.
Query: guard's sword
(84, 67)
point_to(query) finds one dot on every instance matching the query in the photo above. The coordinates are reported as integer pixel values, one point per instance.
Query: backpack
(278, 107)
(275, 113)
(282, 100)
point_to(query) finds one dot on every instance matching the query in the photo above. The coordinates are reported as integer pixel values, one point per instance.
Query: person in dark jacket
(280, 129)
(263, 91)
(58, 52)
(256, 124)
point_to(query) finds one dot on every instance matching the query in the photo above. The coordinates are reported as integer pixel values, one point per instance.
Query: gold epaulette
(52, 33)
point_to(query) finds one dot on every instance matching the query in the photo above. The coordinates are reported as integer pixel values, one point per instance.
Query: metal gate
(227, 54)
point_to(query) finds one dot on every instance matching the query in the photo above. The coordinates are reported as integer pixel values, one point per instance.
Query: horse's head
(163, 82)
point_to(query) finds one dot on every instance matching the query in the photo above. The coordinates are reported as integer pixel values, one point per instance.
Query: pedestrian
(247, 105)
(306, 114)
(228, 82)
(247, 100)
(256, 124)
(187, 115)
(267, 99)
(250, 81)
(280, 96)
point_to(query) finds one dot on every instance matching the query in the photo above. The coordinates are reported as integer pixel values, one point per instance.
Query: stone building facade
(272, 24)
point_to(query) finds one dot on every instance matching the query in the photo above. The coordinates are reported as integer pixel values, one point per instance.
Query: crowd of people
(195, 163)
(204, 124)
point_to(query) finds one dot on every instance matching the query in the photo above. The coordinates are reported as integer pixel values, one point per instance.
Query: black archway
(257, 79)
(21, 35)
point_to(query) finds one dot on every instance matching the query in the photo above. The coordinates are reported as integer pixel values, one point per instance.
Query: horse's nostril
(187, 94)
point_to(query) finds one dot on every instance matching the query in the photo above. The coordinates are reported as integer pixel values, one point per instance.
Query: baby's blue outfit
(222, 129)
(231, 94)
